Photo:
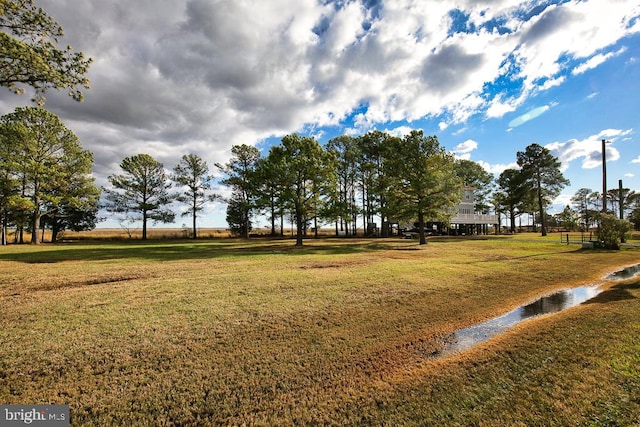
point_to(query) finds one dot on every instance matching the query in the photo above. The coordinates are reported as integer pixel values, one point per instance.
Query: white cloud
(629, 175)
(549, 83)
(595, 60)
(614, 134)
(459, 131)
(572, 30)
(497, 168)
(400, 131)
(465, 148)
(636, 160)
(497, 108)
(561, 201)
(589, 149)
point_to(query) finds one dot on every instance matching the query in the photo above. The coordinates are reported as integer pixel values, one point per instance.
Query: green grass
(232, 332)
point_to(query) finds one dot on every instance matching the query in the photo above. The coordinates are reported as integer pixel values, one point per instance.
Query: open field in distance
(159, 233)
(338, 332)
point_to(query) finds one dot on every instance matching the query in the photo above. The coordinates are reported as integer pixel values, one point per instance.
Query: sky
(487, 77)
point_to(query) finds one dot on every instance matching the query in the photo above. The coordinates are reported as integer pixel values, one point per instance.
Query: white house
(467, 221)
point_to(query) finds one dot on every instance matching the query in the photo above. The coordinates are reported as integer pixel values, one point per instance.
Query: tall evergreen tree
(237, 215)
(375, 147)
(241, 178)
(270, 187)
(582, 200)
(372, 148)
(76, 207)
(308, 173)
(423, 181)
(48, 163)
(9, 184)
(192, 173)
(30, 55)
(511, 195)
(343, 201)
(141, 191)
(541, 171)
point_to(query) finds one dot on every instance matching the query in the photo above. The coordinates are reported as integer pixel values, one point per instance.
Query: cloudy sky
(488, 77)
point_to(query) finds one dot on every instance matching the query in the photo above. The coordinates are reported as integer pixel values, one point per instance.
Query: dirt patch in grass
(17, 285)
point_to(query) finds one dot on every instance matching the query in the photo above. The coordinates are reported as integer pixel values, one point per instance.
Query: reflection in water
(627, 273)
(468, 337)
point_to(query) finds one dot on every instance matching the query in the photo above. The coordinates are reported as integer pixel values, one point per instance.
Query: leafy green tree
(270, 201)
(474, 175)
(9, 184)
(75, 219)
(308, 173)
(423, 181)
(76, 207)
(347, 153)
(322, 191)
(568, 218)
(612, 230)
(48, 161)
(631, 199)
(237, 215)
(541, 171)
(618, 199)
(633, 210)
(634, 218)
(582, 200)
(241, 177)
(17, 206)
(30, 55)
(373, 147)
(192, 173)
(511, 194)
(142, 191)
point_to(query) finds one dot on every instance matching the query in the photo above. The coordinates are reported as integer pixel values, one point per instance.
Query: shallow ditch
(466, 338)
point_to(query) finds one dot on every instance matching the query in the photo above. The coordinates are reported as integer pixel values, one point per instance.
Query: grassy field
(338, 332)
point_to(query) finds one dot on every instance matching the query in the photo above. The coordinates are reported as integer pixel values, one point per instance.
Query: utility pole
(604, 176)
(620, 201)
(621, 206)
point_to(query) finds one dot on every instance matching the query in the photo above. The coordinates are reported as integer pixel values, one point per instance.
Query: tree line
(46, 182)
(347, 183)
(518, 193)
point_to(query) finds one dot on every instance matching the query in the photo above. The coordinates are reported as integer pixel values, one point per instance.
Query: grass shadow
(182, 250)
(619, 292)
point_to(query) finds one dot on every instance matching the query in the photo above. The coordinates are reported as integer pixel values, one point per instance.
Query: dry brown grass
(230, 332)
(154, 233)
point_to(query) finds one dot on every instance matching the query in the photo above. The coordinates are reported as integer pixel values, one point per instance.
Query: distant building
(467, 221)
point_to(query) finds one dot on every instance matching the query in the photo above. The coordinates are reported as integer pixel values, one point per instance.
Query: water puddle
(464, 339)
(626, 273)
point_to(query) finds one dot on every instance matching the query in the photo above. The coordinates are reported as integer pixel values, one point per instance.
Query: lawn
(338, 332)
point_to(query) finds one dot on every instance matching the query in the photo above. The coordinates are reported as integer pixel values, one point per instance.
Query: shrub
(612, 230)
